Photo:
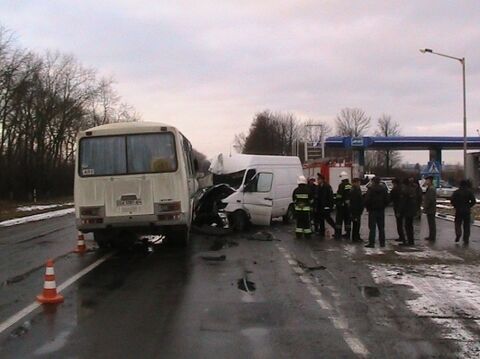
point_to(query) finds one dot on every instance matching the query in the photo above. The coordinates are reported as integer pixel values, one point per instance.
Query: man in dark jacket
(397, 196)
(303, 199)
(356, 209)
(376, 200)
(418, 197)
(323, 205)
(411, 200)
(430, 208)
(462, 200)
(342, 202)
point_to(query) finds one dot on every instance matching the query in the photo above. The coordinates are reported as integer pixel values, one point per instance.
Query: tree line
(45, 99)
(276, 133)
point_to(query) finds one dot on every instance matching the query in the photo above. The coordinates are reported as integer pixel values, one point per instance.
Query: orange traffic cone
(50, 295)
(81, 247)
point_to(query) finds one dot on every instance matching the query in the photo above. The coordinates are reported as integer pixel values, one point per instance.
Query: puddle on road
(246, 285)
(215, 258)
(21, 330)
(370, 291)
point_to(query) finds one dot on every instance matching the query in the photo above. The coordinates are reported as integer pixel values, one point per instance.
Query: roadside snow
(42, 207)
(446, 295)
(37, 217)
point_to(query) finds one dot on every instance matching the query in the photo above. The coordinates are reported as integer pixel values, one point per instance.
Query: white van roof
(225, 164)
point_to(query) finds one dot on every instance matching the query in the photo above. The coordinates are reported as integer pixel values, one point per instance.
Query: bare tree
(387, 159)
(352, 122)
(239, 142)
(315, 130)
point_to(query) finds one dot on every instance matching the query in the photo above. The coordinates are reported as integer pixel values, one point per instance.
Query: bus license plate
(129, 202)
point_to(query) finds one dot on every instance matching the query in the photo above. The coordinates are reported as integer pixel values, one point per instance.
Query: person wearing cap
(463, 200)
(323, 205)
(303, 199)
(376, 200)
(342, 201)
(356, 208)
(430, 208)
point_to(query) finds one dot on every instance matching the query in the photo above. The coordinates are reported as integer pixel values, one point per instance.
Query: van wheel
(239, 221)
(290, 216)
(101, 239)
(178, 237)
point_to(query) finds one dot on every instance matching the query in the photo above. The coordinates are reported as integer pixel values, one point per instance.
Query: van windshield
(130, 154)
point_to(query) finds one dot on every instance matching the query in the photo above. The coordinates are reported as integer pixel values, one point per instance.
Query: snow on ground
(37, 217)
(42, 207)
(448, 295)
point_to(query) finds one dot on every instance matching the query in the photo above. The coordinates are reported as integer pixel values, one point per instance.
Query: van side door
(258, 198)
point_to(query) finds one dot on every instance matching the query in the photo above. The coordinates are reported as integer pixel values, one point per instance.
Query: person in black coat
(356, 209)
(323, 205)
(411, 201)
(463, 200)
(376, 200)
(342, 205)
(398, 198)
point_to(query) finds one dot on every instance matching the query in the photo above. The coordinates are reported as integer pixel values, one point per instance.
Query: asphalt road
(240, 298)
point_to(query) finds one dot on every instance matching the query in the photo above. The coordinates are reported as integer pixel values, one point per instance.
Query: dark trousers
(304, 225)
(356, 221)
(342, 217)
(321, 216)
(432, 226)
(376, 218)
(400, 219)
(409, 229)
(462, 218)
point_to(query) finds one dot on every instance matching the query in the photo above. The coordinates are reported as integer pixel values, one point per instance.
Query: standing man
(430, 208)
(342, 200)
(397, 196)
(410, 211)
(376, 200)
(463, 200)
(356, 208)
(323, 205)
(303, 199)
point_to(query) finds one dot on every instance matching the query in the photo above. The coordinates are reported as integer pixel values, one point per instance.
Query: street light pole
(462, 61)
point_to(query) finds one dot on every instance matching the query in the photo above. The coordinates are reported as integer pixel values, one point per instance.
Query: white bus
(134, 178)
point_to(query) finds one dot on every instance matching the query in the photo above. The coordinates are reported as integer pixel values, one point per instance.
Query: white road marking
(30, 308)
(337, 319)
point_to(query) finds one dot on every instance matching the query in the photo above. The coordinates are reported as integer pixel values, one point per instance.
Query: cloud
(208, 66)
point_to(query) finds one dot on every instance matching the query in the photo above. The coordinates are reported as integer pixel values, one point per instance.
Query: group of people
(315, 201)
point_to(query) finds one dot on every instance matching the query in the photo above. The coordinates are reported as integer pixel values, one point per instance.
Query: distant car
(445, 189)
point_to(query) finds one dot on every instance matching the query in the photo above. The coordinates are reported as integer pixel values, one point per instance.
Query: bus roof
(126, 127)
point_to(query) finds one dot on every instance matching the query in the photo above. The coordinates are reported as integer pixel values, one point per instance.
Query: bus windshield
(130, 154)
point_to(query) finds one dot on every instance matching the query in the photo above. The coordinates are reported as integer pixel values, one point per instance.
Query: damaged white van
(134, 178)
(263, 187)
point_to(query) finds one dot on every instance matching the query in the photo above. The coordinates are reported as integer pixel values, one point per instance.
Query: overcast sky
(208, 66)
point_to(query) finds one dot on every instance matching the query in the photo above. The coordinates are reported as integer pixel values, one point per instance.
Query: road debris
(262, 236)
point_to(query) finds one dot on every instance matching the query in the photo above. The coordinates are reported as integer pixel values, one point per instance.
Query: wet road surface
(240, 298)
